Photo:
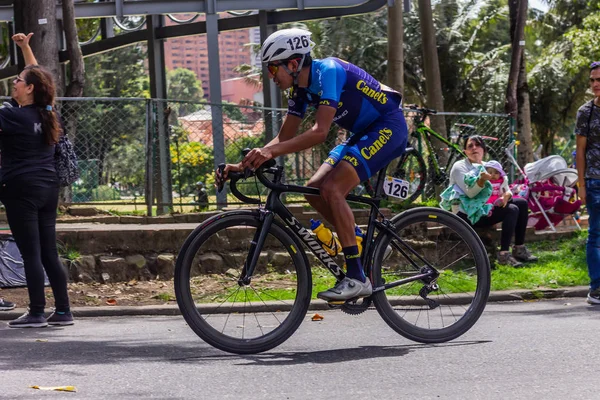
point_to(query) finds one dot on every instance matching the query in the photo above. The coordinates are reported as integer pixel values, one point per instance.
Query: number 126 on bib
(395, 187)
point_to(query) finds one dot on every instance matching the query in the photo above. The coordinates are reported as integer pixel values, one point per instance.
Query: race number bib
(395, 187)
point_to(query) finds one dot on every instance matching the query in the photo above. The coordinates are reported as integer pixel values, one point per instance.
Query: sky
(539, 4)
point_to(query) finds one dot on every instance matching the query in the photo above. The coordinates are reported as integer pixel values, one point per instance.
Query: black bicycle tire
(195, 319)
(422, 171)
(470, 317)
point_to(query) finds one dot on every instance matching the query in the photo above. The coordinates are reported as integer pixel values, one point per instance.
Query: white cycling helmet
(285, 43)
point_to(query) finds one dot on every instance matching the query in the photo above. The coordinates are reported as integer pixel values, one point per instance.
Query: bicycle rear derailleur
(424, 292)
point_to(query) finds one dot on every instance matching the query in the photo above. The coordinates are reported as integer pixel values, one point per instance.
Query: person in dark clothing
(29, 189)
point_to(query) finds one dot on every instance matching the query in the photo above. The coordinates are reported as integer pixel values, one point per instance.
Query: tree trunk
(433, 81)
(75, 86)
(39, 17)
(518, 16)
(525, 149)
(77, 78)
(395, 72)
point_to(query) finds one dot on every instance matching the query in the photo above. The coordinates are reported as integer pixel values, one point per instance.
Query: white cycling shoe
(347, 289)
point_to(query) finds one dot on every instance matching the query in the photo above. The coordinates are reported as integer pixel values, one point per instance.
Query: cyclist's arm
(288, 130)
(309, 138)
(315, 135)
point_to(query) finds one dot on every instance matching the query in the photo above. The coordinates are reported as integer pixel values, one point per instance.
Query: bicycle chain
(356, 307)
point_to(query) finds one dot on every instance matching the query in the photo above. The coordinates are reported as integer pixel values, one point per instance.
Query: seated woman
(467, 197)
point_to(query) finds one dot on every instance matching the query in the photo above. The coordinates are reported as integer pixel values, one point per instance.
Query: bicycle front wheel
(420, 310)
(237, 316)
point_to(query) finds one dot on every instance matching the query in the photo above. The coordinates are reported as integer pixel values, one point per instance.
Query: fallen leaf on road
(41, 340)
(57, 388)
(111, 302)
(317, 317)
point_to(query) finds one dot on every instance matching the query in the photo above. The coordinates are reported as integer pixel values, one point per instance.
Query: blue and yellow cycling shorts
(384, 140)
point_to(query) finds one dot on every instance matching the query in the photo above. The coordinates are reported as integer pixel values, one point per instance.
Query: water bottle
(359, 238)
(328, 240)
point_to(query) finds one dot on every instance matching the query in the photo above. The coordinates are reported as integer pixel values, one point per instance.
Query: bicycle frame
(424, 133)
(274, 206)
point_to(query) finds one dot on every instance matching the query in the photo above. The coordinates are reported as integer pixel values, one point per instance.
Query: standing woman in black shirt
(29, 189)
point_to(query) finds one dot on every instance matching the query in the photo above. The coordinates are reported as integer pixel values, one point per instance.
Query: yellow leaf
(56, 388)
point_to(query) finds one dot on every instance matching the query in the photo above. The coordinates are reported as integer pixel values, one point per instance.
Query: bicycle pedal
(336, 303)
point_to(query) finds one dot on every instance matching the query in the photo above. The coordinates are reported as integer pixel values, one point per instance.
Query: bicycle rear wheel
(452, 247)
(232, 315)
(411, 168)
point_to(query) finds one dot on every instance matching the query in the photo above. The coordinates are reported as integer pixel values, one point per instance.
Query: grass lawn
(561, 263)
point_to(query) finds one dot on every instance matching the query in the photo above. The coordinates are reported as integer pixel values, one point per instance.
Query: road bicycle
(243, 279)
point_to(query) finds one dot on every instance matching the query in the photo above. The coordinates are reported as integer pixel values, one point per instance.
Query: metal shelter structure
(266, 14)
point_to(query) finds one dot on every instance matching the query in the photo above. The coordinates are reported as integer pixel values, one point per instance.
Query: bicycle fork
(256, 245)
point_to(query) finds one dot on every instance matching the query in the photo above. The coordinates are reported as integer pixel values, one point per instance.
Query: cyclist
(347, 95)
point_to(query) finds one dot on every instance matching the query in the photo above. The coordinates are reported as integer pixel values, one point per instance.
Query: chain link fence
(496, 130)
(152, 157)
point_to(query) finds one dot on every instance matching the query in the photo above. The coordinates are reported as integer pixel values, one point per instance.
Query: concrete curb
(315, 305)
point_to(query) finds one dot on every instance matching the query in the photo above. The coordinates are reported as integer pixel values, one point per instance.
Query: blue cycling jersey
(358, 97)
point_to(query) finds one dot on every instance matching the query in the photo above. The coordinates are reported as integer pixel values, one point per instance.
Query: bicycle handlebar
(425, 111)
(235, 176)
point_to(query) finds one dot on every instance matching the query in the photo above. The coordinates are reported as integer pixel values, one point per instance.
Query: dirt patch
(133, 293)
(208, 288)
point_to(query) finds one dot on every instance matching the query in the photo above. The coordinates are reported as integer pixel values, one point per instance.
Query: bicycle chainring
(355, 307)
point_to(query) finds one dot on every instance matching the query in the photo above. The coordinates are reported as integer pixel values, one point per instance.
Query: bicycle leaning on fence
(243, 279)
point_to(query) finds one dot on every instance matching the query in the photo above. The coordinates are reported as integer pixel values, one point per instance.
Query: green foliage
(191, 162)
(100, 193)
(182, 84)
(67, 252)
(118, 73)
(127, 163)
(233, 112)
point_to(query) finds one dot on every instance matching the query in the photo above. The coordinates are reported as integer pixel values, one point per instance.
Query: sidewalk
(577, 292)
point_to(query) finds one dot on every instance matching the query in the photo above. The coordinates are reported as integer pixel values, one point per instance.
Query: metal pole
(149, 159)
(214, 77)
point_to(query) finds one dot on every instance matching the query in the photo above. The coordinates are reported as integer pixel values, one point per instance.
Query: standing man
(588, 169)
(348, 96)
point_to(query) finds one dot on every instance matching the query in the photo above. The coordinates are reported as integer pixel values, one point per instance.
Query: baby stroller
(548, 185)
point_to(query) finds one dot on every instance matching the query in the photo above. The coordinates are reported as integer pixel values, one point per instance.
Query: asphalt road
(546, 349)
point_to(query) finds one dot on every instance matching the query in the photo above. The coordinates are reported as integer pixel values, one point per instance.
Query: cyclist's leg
(317, 202)
(384, 141)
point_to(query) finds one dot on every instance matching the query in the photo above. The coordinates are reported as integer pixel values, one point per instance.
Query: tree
(77, 81)
(182, 84)
(433, 81)
(517, 97)
(39, 17)
(518, 18)
(395, 62)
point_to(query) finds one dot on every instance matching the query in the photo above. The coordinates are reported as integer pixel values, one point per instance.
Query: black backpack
(65, 161)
